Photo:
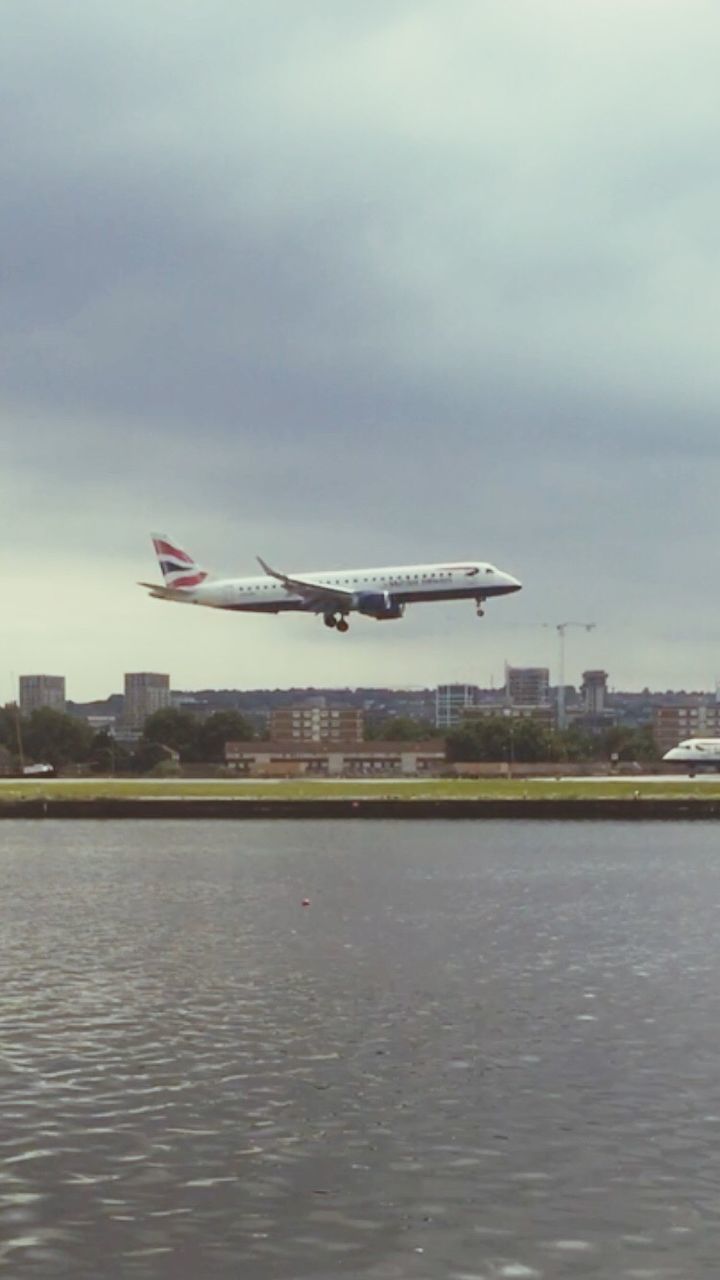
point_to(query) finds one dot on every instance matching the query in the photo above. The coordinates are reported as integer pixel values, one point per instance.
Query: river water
(483, 1050)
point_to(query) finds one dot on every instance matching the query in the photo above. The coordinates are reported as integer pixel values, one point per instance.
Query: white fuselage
(695, 751)
(401, 585)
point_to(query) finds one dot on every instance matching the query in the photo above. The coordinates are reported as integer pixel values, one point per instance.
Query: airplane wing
(316, 594)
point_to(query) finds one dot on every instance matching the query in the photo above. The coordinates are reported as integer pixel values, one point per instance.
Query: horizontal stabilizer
(167, 593)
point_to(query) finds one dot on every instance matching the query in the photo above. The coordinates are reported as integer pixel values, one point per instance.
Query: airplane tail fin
(178, 568)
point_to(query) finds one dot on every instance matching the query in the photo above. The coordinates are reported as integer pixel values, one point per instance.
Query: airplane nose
(511, 583)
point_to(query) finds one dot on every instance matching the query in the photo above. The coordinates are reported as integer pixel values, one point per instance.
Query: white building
(451, 703)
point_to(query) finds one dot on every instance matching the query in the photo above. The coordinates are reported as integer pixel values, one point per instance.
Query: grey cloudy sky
(355, 283)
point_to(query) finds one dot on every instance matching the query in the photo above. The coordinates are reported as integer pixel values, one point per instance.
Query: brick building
(692, 719)
(316, 723)
(330, 759)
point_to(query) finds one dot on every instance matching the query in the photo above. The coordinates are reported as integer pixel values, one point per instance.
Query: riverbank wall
(556, 809)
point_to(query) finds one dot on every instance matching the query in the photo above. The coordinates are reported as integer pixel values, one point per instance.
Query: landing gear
(480, 609)
(332, 620)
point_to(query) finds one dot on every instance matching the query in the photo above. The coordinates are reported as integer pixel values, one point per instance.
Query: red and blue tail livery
(332, 594)
(178, 568)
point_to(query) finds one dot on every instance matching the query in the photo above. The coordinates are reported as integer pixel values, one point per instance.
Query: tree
(646, 747)
(482, 739)
(8, 727)
(53, 738)
(628, 743)
(500, 738)
(219, 728)
(196, 740)
(147, 756)
(106, 755)
(573, 745)
(172, 728)
(530, 740)
(397, 729)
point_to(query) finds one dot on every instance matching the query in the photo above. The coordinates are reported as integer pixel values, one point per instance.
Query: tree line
(60, 740)
(528, 741)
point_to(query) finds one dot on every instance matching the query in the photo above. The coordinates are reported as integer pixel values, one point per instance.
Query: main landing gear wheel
(480, 610)
(332, 620)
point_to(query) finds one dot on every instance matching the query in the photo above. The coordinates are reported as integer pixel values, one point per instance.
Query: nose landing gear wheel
(342, 625)
(330, 620)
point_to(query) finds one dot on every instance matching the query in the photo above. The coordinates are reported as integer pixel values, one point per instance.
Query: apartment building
(41, 691)
(316, 723)
(145, 693)
(689, 720)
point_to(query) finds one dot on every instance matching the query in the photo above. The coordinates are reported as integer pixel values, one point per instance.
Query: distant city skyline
(365, 284)
(153, 691)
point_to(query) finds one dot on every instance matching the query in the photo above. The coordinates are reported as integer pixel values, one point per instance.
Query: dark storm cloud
(432, 277)
(216, 245)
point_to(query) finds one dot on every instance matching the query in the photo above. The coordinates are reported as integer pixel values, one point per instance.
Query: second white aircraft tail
(178, 567)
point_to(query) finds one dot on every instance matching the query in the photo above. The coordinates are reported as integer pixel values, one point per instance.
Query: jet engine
(379, 605)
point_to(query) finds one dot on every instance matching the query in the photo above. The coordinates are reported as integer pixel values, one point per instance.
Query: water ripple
(408, 1079)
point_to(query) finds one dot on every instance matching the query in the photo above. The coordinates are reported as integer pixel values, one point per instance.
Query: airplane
(695, 751)
(334, 594)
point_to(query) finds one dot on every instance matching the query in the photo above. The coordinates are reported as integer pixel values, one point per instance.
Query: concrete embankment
(583, 809)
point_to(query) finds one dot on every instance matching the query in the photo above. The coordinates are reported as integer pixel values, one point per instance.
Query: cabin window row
(353, 582)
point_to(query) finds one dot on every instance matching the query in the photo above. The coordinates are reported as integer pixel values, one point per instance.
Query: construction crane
(561, 628)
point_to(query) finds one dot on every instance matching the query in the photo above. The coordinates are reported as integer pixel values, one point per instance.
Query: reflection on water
(485, 1050)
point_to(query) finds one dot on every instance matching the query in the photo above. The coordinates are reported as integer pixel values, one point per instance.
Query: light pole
(561, 628)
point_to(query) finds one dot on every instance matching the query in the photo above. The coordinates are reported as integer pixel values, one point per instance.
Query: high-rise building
(528, 686)
(316, 723)
(451, 703)
(594, 690)
(145, 693)
(41, 691)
